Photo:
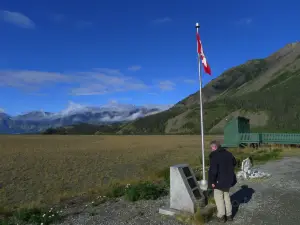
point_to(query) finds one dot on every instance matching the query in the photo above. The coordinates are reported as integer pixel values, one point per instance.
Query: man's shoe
(229, 218)
(222, 219)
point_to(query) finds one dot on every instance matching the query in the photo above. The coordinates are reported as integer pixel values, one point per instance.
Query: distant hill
(264, 90)
(84, 129)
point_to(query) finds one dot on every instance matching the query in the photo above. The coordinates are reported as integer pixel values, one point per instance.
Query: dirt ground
(273, 201)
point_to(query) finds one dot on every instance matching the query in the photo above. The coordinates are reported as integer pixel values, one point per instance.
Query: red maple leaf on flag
(202, 56)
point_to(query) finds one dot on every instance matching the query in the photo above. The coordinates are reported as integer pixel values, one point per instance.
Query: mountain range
(264, 90)
(38, 121)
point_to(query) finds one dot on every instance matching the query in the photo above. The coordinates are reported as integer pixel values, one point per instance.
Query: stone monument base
(185, 194)
(167, 211)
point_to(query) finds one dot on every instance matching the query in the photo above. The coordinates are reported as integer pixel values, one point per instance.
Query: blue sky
(135, 51)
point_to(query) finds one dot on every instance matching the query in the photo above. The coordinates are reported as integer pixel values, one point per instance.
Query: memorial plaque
(184, 189)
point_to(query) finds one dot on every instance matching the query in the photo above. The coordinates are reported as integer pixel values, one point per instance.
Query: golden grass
(201, 216)
(41, 169)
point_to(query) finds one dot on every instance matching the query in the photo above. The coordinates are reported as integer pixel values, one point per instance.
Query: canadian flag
(202, 56)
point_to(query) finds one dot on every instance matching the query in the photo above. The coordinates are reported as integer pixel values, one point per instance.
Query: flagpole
(203, 182)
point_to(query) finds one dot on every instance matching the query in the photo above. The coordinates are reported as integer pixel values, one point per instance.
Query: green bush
(116, 191)
(206, 160)
(8, 221)
(266, 155)
(36, 216)
(145, 191)
(165, 175)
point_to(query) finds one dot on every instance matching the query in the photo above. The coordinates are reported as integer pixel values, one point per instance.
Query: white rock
(240, 174)
(246, 165)
(247, 171)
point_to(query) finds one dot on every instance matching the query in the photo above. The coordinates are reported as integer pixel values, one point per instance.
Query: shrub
(198, 217)
(165, 175)
(37, 216)
(267, 155)
(145, 190)
(8, 221)
(206, 160)
(116, 191)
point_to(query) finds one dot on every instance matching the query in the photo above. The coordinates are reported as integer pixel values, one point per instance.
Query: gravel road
(272, 201)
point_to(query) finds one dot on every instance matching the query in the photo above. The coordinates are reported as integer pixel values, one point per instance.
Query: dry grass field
(42, 169)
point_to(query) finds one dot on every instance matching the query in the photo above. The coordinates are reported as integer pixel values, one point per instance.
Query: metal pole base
(203, 184)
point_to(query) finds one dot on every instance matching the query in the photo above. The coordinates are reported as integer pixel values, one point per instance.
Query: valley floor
(272, 201)
(40, 168)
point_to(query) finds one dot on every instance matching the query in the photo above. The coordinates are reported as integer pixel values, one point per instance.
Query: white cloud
(29, 80)
(95, 82)
(134, 68)
(124, 111)
(167, 85)
(2, 110)
(114, 101)
(189, 81)
(90, 89)
(17, 19)
(163, 20)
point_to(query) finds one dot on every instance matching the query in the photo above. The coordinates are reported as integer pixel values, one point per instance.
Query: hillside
(264, 90)
(87, 129)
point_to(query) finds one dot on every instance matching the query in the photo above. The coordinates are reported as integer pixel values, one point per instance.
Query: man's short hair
(215, 142)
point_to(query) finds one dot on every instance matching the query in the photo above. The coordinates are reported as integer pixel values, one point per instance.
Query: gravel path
(272, 201)
(275, 201)
(120, 213)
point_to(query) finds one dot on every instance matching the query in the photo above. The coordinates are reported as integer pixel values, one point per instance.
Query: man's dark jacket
(221, 170)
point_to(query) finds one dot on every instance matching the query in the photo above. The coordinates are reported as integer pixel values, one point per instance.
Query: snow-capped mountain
(36, 121)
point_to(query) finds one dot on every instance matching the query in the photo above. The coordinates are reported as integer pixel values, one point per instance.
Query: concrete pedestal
(185, 193)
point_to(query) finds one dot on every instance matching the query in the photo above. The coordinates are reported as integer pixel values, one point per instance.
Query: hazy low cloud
(29, 80)
(2, 110)
(167, 85)
(134, 68)
(17, 19)
(244, 21)
(162, 20)
(117, 101)
(95, 82)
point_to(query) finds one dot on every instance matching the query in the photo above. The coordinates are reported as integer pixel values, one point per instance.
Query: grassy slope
(88, 129)
(267, 87)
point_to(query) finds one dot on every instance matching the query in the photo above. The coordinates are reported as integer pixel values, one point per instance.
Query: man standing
(221, 178)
